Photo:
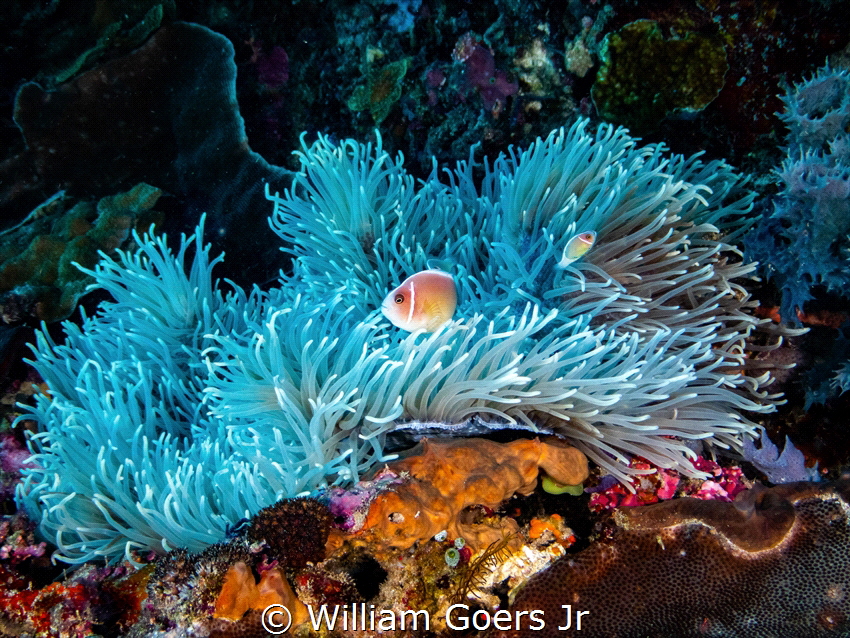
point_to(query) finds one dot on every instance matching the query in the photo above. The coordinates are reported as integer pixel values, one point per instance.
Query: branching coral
(802, 243)
(630, 350)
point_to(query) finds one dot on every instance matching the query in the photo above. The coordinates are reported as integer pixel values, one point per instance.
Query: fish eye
(399, 298)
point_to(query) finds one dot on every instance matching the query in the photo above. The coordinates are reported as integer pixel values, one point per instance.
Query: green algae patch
(551, 486)
(380, 90)
(645, 77)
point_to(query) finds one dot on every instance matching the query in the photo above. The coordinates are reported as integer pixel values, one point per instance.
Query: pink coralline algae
(13, 456)
(434, 79)
(17, 540)
(726, 482)
(13, 453)
(663, 484)
(349, 507)
(481, 74)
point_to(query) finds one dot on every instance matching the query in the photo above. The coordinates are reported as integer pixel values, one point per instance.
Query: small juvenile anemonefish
(577, 248)
(425, 300)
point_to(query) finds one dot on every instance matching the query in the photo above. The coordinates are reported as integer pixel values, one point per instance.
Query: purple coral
(17, 540)
(481, 74)
(272, 68)
(788, 467)
(14, 456)
(349, 507)
(434, 79)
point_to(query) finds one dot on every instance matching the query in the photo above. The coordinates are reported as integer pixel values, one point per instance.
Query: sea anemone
(631, 349)
(180, 408)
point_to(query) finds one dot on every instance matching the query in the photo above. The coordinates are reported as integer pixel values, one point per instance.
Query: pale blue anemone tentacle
(196, 405)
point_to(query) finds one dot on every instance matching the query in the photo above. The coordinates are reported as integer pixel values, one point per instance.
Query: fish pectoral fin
(437, 314)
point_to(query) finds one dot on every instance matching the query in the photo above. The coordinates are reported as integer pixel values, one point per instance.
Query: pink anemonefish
(423, 301)
(577, 247)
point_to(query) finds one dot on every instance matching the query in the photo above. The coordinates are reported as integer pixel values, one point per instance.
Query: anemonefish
(425, 301)
(577, 248)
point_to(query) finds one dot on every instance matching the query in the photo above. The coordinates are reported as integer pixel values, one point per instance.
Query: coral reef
(183, 587)
(581, 53)
(732, 564)
(610, 494)
(402, 18)
(240, 593)
(14, 451)
(766, 44)
(802, 242)
(423, 579)
(317, 585)
(186, 408)
(659, 484)
(224, 589)
(439, 482)
(644, 77)
(481, 75)
(37, 278)
(172, 121)
(631, 349)
(326, 47)
(18, 543)
(788, 467)
(14, 456)
(80, 605)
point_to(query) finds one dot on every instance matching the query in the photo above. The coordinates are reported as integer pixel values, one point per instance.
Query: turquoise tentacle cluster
(198, 404)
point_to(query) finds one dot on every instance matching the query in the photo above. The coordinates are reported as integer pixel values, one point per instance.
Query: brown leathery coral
(444, 478)
(776, 562)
